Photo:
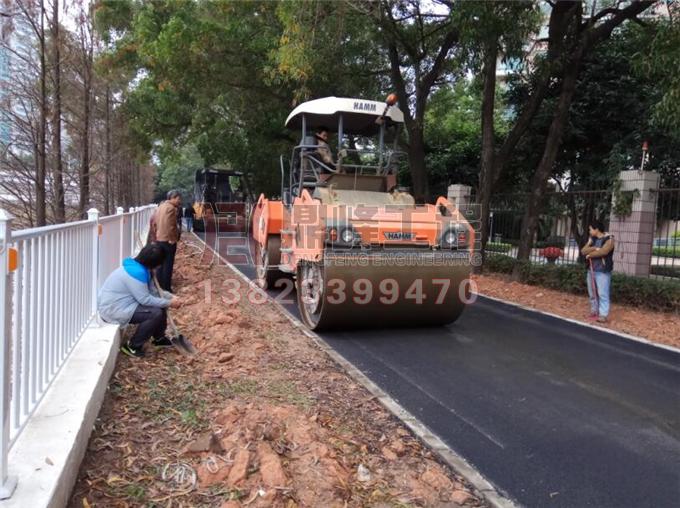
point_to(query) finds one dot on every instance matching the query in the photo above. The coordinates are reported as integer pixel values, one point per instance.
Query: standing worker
(189, 218)
(127, 297)
(599, 253)
(167, 235)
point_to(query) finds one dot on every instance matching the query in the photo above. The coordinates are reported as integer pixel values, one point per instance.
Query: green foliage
(498, 247)
(668, 252)
(325, 48)
(656, 62)
(609, 119)
(177, 169)
(506, 24)
(202, 77)
(222, 75)
(453, 134)
(623, 200)
(499, 263)
(659, 295)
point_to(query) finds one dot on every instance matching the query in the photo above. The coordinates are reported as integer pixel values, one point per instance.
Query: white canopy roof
(358, 115)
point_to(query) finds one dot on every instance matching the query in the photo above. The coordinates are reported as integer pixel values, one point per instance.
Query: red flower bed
(552, 252)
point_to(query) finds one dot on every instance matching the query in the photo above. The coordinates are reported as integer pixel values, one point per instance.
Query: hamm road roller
(362, 253)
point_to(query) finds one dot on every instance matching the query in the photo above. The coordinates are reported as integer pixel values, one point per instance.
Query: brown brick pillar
(634, 234)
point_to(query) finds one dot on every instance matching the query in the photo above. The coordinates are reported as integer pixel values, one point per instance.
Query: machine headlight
(347, 235)
(341, 235)
(454, 238)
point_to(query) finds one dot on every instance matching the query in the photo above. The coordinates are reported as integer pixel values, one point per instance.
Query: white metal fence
(49, 278)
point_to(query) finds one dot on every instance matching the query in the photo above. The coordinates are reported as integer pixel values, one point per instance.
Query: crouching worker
(128, 296)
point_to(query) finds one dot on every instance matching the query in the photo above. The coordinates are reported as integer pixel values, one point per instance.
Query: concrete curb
(623, 335)
(483, 487)
(47, 455)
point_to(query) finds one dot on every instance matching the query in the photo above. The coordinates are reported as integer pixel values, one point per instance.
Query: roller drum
(386, 289)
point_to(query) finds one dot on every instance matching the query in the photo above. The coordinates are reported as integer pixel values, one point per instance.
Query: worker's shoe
(602, 319)
(162, 342)
(130, 351)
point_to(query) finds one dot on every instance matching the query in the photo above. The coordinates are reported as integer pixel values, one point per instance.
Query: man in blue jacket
(129, 297)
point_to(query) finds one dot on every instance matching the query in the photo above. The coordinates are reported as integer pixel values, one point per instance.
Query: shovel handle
(171, 322)
(593, 282)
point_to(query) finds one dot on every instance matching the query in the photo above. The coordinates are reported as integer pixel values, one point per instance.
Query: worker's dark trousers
(151, 321)
(164, 272)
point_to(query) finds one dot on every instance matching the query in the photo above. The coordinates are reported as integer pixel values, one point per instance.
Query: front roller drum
(383, 290)
(267, 261)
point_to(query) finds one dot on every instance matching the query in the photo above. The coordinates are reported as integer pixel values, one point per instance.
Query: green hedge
(666, 271)
(660, 295)
(498, 247)
(669, 252)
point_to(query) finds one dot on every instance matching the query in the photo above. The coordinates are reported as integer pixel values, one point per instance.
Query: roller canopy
(358, 115)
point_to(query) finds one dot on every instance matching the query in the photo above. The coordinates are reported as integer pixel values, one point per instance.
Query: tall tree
(419, 41)
(57, 161)
(29, 108)
(498, 31)
(85, 71)
(575, 36)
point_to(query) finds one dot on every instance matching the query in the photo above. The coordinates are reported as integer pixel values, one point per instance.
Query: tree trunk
(107, 155)
(84, 201)
(57, 169)
(486, 173)
(545, 166)
(40, 198)
(416, 159)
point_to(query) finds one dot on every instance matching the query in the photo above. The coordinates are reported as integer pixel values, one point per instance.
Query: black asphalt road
(552, 413)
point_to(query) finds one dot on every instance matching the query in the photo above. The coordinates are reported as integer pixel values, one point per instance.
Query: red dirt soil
(262, 416)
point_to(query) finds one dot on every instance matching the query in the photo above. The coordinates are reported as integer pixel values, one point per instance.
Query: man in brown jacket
(167, 235)
(599, 253)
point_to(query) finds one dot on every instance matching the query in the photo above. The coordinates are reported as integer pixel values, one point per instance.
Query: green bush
(498, 247)
(654, 294)
(499, 263)
(666, 271)
(669, 252)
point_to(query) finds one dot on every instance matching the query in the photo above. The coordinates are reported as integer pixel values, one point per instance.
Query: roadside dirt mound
(261, 417)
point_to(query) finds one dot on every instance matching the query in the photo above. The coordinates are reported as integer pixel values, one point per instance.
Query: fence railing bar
(24, 234)
(34, 323)
(26, 331)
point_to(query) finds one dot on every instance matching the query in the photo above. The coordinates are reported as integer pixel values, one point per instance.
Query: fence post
(120, 211)
(459, 195)
(93, 215)
(133, 227)
(7, 483)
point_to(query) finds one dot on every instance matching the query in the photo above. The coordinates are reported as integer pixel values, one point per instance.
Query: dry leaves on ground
(261, 416)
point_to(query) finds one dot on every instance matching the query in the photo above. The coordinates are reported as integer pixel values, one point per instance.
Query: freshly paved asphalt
(551, 412)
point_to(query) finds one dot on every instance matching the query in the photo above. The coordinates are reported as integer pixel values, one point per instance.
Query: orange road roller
(361, 251)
